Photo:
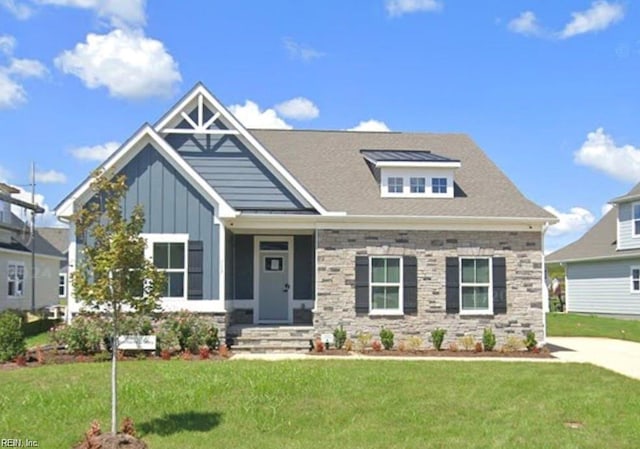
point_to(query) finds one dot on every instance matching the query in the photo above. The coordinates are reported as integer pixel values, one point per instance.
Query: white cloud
(298, 108)
(96, 152)
(526, 23)
(251, 116)
(600, 16)
(577, 220)
(120, 13)
(605, 209)
(370, 125)
(127, 63)
(26, 68)
(7, 44)
(48, 218)
(5, 174)
(599, 151)
(19, 10)
(51, 177)
(12, 94)
(397, 8)
(301, 51)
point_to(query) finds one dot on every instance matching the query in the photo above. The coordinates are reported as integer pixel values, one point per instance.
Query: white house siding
(602, 287)
(47, 269)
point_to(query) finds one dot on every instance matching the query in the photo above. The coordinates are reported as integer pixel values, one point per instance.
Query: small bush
(414, 343)
(12, 341)
(488, 339)
(530, 341)
(437, 337)
(453, 347)
(513, 344)
(103, 356)
(223, 350)
(165, 354)
(467, 342)
(363, 340)
(189, 330)
(318, 346)
(204, 352)
(339, 337)
(386, 337)
(348, 345)
(84, 335)
(376, 345)
(478, 347)
(402, 346)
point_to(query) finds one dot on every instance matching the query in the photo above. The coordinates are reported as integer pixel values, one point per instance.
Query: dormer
(412, 173)
(628, 223)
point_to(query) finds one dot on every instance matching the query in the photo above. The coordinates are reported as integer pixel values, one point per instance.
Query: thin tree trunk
(114, 382)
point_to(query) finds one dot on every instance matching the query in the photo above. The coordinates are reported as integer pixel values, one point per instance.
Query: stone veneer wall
(335, 297)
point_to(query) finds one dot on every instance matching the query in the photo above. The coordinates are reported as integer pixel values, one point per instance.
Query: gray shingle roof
(597, 242)
(329, 164)
(24, 238)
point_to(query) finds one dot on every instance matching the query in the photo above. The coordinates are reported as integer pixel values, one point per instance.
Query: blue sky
(548, 89)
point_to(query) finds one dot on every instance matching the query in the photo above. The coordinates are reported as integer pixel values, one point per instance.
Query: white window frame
(634, 219)
(446, 185)
(631, 269)
(9, 281)
(399, 284)
(63, 285)
(170, 238)
(418, 179)
(389, 191)
(489, 311)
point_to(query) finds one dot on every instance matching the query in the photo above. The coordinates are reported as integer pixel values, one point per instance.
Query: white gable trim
(201, 92)
(147, 135)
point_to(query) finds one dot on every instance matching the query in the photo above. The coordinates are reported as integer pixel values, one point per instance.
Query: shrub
(478, 346)
(437, 337)
(513, 344)
(488, 339)
(204, 352)
(223, 351)
(165, 354)
(386, 337)
(402, 345)
(339, 337)
(190, 330)
(376, 345)
(348, 345)
(414, 342)
(84, 335)
(467, 342)
(363, 340)
(167, 340)
(530, 341)
(453, 347)
(318, 345)
(12, 341)
(103, 356)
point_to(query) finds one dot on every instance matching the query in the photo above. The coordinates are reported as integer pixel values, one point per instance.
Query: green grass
(38, 340)
(320, 404)
(575, 325)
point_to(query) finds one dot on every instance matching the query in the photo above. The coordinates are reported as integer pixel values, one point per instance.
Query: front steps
(270, 338)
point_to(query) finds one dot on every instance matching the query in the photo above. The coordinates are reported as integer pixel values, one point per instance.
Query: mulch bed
(543, 354)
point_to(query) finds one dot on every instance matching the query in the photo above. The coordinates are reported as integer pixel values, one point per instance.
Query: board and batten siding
(234, 171)
(626, 240)
(602, 287)
(172, 206)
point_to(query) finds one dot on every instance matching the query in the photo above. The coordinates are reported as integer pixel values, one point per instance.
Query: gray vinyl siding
(602, 287)
(625, 233)
(172, 206)
(303, 267)
(233, 171)
(243, 266)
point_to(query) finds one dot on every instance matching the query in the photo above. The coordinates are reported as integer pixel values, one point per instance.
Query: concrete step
(264, 339)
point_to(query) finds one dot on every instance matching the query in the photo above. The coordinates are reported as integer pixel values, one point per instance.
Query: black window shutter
(410, 284)
(453, 285)
(499, 285)
(195, 269)
(362, 284)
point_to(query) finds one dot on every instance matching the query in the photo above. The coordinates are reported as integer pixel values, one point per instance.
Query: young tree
(112, 274)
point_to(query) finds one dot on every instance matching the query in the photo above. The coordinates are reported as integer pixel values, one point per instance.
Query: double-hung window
(635, 279)
(62, 285)
(475, 285)
(395, 184)
(169, 254)
(15, 280)
(417, 185)
(636, 220)
(386, 284)
(438, 185)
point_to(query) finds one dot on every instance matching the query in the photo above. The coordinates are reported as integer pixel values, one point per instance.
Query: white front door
(274, 280)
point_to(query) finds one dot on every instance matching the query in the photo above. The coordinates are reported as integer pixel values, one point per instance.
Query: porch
(270, 277)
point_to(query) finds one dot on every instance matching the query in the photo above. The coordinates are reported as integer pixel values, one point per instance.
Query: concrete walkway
(616, 355)
(303, 356)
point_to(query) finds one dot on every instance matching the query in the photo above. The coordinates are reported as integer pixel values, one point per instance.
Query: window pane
(11, 272)
(274, 246)
(161, 255)
(393, 270)
(385, 298)
(20, 272)
(468, 270)
(475, 298)
(636, 227)
(482, 270)
(417, 185)
(395, 185)
(635, 273)
(393, 298)
(468, 298)
(378, 295)
(175, 285)
(176, 255)
(636, 211)
(636, 285)
(378, 270)
(482, 298)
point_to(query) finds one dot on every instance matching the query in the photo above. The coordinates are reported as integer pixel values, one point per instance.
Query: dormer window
(636, 219)
(412, 173)
(395, 184)
(417, 185)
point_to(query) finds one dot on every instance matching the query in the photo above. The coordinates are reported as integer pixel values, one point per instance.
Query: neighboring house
(602, 268)
(59, 239)
(327, 228)
(16, 243)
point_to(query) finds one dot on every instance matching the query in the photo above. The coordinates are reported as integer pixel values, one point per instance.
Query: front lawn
(576, 325)
(321, 404)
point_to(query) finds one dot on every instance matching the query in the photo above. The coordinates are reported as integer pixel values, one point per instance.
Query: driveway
(616, 355)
